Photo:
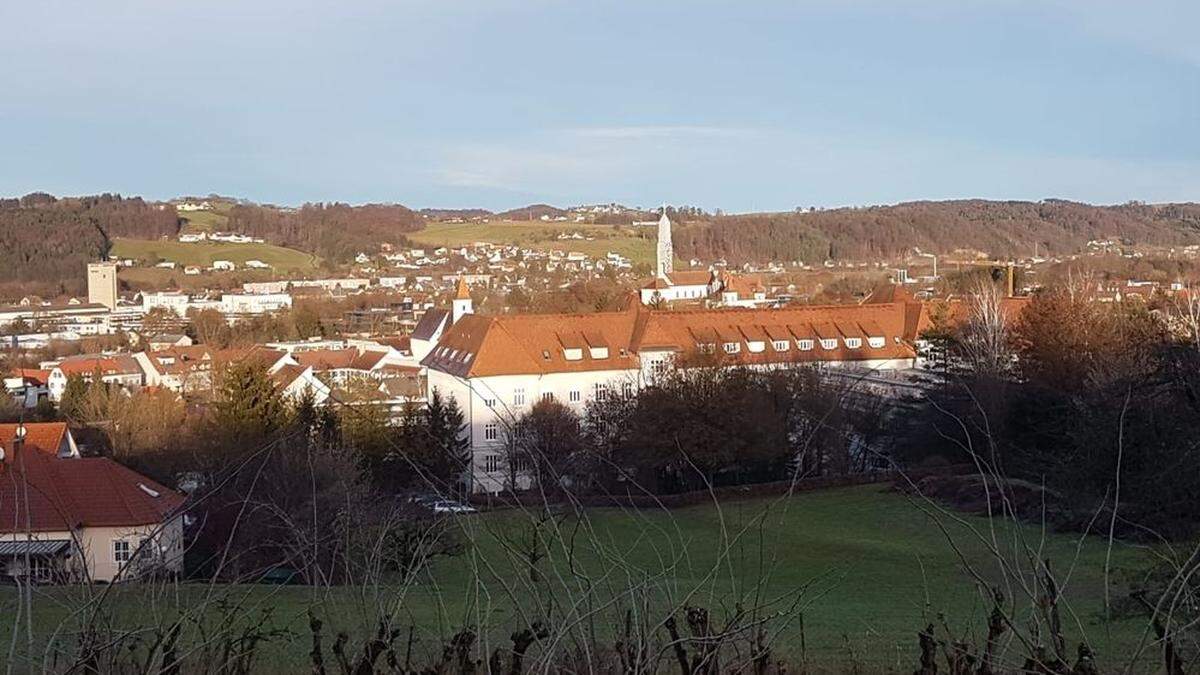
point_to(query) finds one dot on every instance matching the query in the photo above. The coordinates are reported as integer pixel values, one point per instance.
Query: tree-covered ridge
(1000, 228)
(335, 232)
(46, 242)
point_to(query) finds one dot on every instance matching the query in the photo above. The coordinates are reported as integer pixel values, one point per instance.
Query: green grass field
(204, 253)
(869, 567)
(214, 220)
(637, 245)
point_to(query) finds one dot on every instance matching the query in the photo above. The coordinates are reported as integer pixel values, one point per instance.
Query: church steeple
(665, 257)
(462, 304)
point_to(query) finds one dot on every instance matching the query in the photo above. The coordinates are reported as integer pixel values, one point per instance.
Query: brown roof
(45, 436)
(332, 359)
(43, 493)
(528, 344)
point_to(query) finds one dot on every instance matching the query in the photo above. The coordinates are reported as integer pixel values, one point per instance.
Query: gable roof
(47, 437)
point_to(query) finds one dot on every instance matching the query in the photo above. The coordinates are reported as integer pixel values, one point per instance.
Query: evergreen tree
(74, 398)
(249, 410)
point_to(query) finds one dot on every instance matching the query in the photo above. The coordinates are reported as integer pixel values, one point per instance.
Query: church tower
(461, 305)
(666, 255)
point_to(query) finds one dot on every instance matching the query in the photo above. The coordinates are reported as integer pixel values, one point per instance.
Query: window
(732, 347)
(122, 550)
(876, 342)
(489, 402)
(599, 391)
(804, 345)
(853, 343)
(707, 348)
(491, 463)
(521, 463)
(572, 354)
(491, 431)
(780, 345)
(627, 388)
(519, 396)
(599, 352)
(828, 343)
(547, 396)
(573, 396)
(756, 346)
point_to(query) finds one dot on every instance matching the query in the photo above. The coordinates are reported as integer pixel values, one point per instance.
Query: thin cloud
(645, 132)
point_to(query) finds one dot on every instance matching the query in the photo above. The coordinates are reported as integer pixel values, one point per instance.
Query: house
(257, 265)
(64, 517)
(496, 367)
(223, 265)
(120, 370)
(27, 386)
(689, 285)
(188, 370)
(168, 340)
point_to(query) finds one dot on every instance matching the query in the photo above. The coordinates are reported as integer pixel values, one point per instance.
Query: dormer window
(732, 347)
(828, 343)
(876, 342)
(804, 345)
(573, 354)
(781, 345)
(756, 346)
(853, 343)
(598, 352)
(707, 347)
(546, 354)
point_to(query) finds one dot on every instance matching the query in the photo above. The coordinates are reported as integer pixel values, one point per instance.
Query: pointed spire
(462, 292)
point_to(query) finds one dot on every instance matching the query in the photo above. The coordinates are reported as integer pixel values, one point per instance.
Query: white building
(497, 367)
(254, 303)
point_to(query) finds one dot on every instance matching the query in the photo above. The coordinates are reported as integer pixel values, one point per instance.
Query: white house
(73, 518)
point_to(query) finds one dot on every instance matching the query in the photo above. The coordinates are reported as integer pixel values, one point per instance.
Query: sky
(737, 105)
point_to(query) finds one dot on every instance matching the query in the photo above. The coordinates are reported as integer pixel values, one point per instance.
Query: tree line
(997, 228)
(46, 242)
(334, 231)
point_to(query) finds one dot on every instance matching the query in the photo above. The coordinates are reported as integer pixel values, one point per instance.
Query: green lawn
(871, 568)
(637, 245)
(205, 221)
(204, 253)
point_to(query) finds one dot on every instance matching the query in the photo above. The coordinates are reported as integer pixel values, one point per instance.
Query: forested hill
(994, 227)
(335, 232)
(46, 242)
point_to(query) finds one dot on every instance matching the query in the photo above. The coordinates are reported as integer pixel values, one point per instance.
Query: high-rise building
(102, 284)
(666, 254)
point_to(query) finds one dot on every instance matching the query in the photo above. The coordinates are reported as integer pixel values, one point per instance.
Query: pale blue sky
(733, 105)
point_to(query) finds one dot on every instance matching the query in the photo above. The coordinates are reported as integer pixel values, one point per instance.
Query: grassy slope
(204, 253)
(881, 571)
(207, 221)
(637, 246)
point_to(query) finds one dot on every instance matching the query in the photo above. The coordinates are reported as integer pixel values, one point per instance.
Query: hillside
(204, 253)
(996, 228)
(334, 232)
(448, 214)
(532, 212)
(46, 242)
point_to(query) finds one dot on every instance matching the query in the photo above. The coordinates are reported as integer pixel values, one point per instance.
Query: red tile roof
(40, 492)
(45, 436)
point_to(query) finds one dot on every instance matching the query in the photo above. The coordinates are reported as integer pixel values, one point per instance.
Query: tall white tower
(102, 284)
(462, 304)
(666, 254)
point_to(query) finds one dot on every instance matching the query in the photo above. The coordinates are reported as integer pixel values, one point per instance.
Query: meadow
(637, 245)
(203, 254)
(865, 567)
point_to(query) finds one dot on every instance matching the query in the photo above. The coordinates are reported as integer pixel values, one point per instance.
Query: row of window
(599, 392)
(802, 344)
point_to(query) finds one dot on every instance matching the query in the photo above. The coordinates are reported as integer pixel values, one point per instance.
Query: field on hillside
(204, 253)
(870, 568)
(637, 245)
(214, 220)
